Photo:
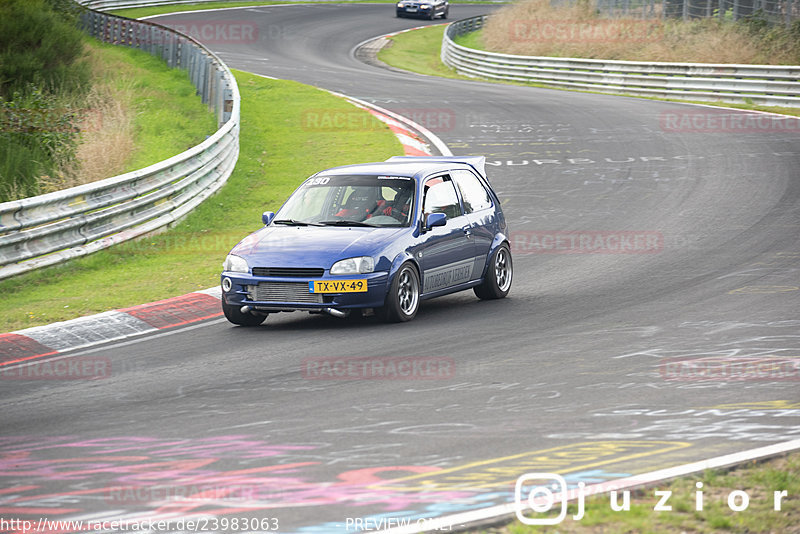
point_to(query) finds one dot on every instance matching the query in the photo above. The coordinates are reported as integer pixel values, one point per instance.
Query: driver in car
(366, 201)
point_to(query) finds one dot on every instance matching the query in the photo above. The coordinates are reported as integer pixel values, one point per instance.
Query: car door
(448, 251)
(479, 211)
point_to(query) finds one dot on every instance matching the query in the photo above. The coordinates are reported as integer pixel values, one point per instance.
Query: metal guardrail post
(193, 59)
(228, 102)
(204, 64)
(141, 36)
(220, 97)
(169, 51)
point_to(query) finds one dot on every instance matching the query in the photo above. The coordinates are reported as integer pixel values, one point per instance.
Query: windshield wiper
(345, 222)
(295, 222)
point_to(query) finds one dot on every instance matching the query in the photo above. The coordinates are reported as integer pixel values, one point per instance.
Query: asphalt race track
(581, 371)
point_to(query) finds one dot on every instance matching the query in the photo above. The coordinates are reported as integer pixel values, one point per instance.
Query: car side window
(440, 197)
(473, 193)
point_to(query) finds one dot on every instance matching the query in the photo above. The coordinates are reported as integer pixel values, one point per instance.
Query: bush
(37, 135)
(43, 73)
(519, 28)
(774, 39)
(39, 46)
(67, 9)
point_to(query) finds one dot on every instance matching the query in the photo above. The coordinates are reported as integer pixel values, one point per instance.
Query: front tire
(497, 282)
(402, 301)
(235, 316)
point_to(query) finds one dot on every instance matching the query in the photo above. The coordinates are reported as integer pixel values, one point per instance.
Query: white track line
(440, 145)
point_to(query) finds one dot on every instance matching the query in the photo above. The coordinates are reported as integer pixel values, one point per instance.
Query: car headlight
(360, 265)
(425, 6)
(235, 264)
(401, 4)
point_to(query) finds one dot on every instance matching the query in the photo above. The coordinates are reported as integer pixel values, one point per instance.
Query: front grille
(289, 272)
(284, 292)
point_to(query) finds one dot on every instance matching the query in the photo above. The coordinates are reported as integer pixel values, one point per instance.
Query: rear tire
(497, 281)
(402, 301)
(235, 316)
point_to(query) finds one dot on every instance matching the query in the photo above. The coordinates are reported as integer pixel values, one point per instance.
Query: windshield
(378, 201)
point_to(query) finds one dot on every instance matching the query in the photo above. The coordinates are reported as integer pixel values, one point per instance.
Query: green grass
(139, 112)
(276, 154)
(419, 51)
(138, 12)
(471, 40)
(169, 116)
(758, 480)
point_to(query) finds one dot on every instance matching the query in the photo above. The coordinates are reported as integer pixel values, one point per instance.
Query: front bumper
(415, 12)
(292, 294)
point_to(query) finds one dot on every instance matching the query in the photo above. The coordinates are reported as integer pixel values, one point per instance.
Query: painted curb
(437, 143)
(413, 144)
(56, 338)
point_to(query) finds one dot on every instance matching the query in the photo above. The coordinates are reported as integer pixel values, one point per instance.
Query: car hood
(312, 246)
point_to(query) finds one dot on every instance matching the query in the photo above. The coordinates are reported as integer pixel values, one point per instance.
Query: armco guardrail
(51, 228)
(769, 85)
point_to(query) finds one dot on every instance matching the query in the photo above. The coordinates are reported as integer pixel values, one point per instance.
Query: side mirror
(435, 219)
(267, 217)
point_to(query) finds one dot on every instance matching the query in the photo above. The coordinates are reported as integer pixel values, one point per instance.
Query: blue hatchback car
(380, 236)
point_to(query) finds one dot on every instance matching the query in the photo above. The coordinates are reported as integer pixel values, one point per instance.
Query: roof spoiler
(476, 162)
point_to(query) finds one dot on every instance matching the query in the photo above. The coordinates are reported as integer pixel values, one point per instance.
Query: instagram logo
(535, 494)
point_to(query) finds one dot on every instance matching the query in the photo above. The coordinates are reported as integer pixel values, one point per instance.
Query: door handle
(467, 231)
